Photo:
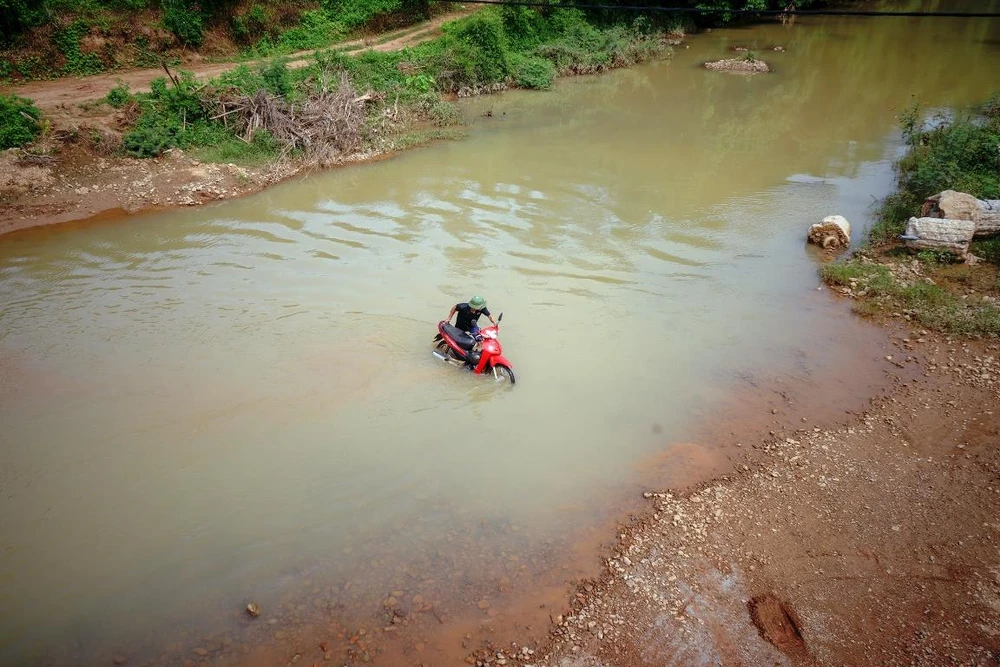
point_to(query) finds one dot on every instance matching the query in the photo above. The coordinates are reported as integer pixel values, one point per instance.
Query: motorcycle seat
(462, 339)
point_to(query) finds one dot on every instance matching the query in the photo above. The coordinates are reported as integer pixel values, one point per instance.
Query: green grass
(261, 150)
(880, 293)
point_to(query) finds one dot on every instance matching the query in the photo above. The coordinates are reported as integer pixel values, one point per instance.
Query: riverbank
(200, 139)
(872, 543)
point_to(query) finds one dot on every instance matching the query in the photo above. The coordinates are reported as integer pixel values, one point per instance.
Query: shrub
(315, 30)
(276, 78)
(172, 116)
(353, 13)
(533, 72)
(19, 121)
(481, 50)
(119, 96)
(251, 25)
(185, 20)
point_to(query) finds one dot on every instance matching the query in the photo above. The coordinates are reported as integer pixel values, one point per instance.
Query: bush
(20, 121)
(533, 72)
(480, 48)
(119, 96)
(353, 13)
(315, 30)
(233, 149)
(172, 116)
(250, 26)
(276, 78)
(185, 20)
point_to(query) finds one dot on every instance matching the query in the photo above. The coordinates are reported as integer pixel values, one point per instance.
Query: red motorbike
(483, 353)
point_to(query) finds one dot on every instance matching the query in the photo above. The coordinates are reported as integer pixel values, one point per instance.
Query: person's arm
(451, 314)
(493, 321)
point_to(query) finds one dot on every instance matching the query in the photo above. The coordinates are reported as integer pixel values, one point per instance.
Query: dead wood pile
(324, 125)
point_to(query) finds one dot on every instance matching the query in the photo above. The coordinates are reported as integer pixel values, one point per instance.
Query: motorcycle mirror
(499, 318)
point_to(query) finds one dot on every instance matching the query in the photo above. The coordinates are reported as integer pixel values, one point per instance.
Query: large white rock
(833, 232)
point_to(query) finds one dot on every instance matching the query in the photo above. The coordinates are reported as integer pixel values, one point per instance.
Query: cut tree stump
(833, 232)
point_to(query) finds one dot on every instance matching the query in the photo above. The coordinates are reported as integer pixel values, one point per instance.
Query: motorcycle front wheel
(503, 373)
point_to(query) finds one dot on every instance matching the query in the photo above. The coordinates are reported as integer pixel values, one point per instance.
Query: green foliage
(533, 71)
(172, 116)
(19, 121)
(315, 30)
(77, 63)
(276, 77)
(955, 153)
(119, 96)
(988, 249)
(419, 84)
(526, 28)
(184, 20)
(481, 50)
(936, 257)
(353, 13)
(16, 16)
(242, 78)
(250, 26)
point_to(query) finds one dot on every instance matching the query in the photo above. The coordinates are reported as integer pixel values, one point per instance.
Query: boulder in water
(746, 65)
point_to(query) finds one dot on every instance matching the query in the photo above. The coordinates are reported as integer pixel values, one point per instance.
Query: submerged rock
(747, 65)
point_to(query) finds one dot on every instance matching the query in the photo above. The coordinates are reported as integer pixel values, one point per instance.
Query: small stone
(484, 604)
(280, 634)
(202, 651)
(119, 659)
(253, 610)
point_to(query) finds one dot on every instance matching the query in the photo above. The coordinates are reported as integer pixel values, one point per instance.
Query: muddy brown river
(206, 407)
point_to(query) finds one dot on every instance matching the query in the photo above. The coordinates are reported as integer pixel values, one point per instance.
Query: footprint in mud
(712, 628)
(778, 624)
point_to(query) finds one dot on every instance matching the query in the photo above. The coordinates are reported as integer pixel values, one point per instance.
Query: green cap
(477, 302)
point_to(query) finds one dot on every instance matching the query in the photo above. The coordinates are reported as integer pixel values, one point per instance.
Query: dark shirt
(467, 317)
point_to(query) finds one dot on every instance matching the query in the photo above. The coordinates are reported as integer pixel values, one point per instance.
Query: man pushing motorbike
(468, 314)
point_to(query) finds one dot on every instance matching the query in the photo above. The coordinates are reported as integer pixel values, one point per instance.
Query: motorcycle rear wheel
(503, 373)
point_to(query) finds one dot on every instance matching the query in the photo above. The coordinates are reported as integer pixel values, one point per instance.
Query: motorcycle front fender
(499, 360)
